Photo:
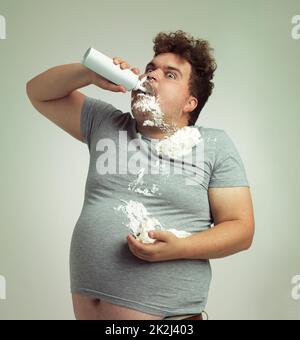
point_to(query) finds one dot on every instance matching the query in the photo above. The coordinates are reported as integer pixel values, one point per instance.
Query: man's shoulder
(211, 132)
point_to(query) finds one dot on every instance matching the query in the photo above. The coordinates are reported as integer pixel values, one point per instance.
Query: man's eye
(173, 74)
(168, 73)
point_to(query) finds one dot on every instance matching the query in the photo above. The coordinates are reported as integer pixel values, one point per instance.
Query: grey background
(43, 170)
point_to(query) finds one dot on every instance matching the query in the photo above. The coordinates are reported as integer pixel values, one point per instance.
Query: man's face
(168, 75)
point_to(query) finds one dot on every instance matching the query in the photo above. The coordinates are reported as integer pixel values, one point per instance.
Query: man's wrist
(86, 75)
(182, 249)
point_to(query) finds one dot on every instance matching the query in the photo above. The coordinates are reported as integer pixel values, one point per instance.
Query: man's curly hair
(198, 53)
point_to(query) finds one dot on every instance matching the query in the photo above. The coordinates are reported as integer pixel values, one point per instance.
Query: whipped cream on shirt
(180, 143)
(140, 223)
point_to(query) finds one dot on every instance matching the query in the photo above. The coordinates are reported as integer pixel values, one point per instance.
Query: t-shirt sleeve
(228, 169)
(93, 113)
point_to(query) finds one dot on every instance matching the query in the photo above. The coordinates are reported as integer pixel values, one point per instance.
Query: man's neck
(156, 132)
(151, 132)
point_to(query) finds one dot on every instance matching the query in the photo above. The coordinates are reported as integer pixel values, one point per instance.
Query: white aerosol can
(105, 67)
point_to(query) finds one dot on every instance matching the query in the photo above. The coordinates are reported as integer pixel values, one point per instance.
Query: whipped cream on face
(140, 223)
(149, 103)
(149, 123)
(180, 143)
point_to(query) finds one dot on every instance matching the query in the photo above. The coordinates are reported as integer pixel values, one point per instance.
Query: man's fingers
(116, 88)
(136, 71)
(140, 248)
(124, 65)
(117, 60)
(121, 62)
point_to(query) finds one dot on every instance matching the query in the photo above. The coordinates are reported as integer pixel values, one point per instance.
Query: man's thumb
(159, 235)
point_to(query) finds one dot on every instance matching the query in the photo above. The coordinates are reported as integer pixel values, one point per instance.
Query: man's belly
(101, 262)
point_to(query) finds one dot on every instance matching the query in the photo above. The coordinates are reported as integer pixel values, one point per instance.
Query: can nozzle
(140, 85)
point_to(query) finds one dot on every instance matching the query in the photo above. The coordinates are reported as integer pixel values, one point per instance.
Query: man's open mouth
(149, 89)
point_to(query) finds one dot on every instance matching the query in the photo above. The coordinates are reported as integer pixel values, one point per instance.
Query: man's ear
(191, 105)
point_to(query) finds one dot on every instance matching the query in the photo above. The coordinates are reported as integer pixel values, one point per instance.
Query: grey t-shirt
(101, 263)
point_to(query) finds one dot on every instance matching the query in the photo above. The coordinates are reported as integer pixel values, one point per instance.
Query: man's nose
(153, 75)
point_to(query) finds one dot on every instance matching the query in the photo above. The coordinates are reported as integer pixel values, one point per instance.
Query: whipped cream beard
(148, 107)
(178, 142)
